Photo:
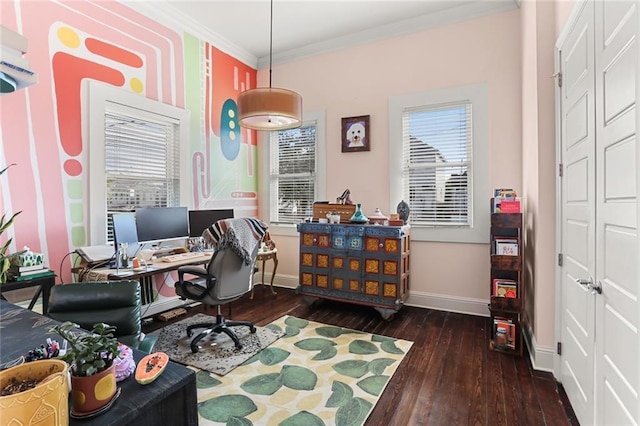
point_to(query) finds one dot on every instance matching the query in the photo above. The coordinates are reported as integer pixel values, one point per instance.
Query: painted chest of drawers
(364, 264)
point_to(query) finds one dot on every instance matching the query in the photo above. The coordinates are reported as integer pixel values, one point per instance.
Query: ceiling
(308, 27)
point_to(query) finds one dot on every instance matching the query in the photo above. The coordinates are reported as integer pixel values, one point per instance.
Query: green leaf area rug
(316, 374)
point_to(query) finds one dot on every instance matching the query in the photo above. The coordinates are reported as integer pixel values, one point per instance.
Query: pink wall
(359, 81)
(538, 168)
(42, 126)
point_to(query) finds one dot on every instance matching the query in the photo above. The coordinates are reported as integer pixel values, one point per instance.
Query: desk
(263, 256)
(170, 400)
(152, 300)
(44, 285)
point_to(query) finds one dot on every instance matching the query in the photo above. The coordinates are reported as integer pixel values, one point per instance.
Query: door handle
(588, 282)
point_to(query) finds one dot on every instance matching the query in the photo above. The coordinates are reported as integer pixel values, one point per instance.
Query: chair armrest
(193, 270)
(148, 343)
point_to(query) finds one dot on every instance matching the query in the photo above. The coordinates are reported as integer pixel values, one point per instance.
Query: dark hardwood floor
(449, 377)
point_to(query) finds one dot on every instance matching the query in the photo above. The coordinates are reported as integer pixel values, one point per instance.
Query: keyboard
(182, 256)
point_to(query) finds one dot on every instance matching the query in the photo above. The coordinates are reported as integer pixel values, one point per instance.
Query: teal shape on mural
(229, 130)
(222, 408)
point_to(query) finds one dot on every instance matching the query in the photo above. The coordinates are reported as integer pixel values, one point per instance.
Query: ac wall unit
(15, 72)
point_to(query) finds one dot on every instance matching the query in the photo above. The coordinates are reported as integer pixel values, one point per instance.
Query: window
(142, 161)
(136, 154)
(296, 163)
(441, 165)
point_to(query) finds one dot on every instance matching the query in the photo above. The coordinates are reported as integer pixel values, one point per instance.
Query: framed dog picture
(355, 134)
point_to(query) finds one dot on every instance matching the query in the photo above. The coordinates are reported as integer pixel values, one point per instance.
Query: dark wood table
(44, 285)
(170, 400)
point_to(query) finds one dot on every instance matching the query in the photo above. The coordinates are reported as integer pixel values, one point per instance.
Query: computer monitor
(125, 231)
(159, 224)
(199, 220)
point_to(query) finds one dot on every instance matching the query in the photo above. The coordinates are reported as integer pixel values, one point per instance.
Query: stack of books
(505, 200)
(22, 273)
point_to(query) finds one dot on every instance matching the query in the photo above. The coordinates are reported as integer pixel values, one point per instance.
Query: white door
(617, 361)
(578, 214)
(599, 321)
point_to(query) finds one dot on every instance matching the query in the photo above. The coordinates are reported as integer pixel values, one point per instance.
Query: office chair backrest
(233, 276)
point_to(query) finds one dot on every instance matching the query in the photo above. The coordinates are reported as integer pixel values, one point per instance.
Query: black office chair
(117, 303)
(227, 276)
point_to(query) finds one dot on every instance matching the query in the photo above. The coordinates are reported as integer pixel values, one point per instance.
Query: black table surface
(169, 400)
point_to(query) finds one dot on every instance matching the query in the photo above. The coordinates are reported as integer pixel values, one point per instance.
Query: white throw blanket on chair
(241, 234)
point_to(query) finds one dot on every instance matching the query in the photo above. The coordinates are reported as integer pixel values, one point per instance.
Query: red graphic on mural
(114, 53)
(68, 73)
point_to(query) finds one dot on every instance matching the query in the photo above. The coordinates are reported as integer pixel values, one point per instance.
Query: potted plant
(90, 357)
(5, 223)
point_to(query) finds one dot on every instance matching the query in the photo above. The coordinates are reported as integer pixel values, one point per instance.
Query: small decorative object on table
(358, 216)
(378, 218)
(125, 365)
(150, 367)
(403, 210)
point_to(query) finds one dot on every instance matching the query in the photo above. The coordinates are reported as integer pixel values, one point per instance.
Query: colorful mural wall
(41, 128)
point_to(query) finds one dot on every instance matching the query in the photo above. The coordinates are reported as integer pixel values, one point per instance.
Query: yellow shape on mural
(136, 85)
(69, 37)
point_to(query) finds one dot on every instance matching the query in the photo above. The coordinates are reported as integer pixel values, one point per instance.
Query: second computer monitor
(158, 224)
(199, 220)
(125, 231)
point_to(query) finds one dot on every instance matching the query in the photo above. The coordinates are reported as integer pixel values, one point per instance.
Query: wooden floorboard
(449, 377)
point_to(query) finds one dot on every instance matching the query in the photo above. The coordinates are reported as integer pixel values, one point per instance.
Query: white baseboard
(443, 302)
(541, 357)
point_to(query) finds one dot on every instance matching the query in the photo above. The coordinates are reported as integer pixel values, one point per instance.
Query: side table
(264, 256)
(44, 285)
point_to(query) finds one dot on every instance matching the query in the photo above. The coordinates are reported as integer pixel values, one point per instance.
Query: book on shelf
(19, 269)
(39, 274)
(506, 246)
(505, 288)
(504, 333)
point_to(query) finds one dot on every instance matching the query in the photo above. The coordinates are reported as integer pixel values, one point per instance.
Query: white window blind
(142, 161)
(437, 164)
(292, 174)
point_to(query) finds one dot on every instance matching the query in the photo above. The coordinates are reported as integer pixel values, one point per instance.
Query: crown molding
(449, 16)
(174, 18)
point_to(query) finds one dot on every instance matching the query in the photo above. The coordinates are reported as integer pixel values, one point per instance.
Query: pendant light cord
(270, 43)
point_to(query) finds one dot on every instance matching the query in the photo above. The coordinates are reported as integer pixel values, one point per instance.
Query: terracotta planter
(93, 392)
(45, 404)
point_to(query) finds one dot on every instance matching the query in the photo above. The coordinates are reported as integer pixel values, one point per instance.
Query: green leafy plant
(88, 353)
(5, 223)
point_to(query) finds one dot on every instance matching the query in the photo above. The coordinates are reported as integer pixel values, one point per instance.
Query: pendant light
(270, 108)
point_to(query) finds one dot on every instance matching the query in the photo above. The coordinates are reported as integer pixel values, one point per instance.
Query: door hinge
(559, 259)
(558, 77)
(560, 170)
(559, 348)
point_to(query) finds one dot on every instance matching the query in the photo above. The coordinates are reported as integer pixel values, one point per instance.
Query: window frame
(99, 96)
(478, 96)
(319, 118)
